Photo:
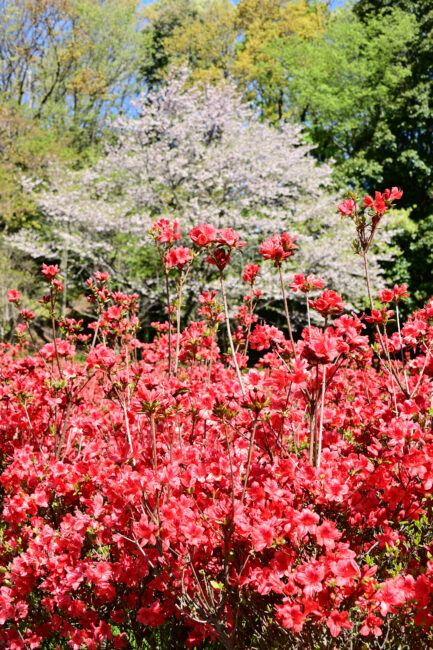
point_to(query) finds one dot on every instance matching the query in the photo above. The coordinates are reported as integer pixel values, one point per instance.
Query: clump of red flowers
(278, 248)
(284, 502)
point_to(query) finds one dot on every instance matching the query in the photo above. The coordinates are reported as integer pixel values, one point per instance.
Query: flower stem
(286, 309)
(229, 333)
(53, 325)
(247, 338)
(178, 308)
(390, 367)
(403, 361)
(167, 291)
(322, 403)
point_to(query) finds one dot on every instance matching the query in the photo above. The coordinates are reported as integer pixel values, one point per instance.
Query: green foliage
(140, 263)
(69, 63)
(162, 18)
(26, 148)
(265, 29)
(409, 111)
(207, 44)
(339, 85)
(420, 259)
(216, 39)
(363, 91)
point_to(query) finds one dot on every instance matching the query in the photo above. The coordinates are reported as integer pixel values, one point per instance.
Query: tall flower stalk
(229, 333)
(278, 249)
(219, 245)
(249, 275)
(168, 307)
(366, 218)
(165, 233)
(181, 259)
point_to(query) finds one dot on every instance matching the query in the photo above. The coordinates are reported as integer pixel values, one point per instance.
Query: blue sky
(334, 3)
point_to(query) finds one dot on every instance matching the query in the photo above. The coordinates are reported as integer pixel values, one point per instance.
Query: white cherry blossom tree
(198, 154)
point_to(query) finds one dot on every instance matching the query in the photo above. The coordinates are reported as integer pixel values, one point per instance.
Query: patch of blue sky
(333, 4)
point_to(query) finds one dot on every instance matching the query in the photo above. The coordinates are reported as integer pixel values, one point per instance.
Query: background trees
(68, 62)
(195, 155)
(204, 39)
(25, 148)
(339, 85)
(264, 26)
(357, 80)
(65, 66)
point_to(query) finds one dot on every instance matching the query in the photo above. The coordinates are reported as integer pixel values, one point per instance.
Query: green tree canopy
(340, 84)
(264, 25)
(68, 62)
(409, 111)
(162, 18)
(27, 148)
(215, 38)
(363, 89)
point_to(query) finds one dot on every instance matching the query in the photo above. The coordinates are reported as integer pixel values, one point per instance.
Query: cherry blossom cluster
(190, 154)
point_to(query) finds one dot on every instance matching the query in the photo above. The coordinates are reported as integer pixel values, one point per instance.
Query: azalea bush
(225, 485)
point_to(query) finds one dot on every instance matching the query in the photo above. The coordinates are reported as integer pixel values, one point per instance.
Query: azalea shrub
(230, 484)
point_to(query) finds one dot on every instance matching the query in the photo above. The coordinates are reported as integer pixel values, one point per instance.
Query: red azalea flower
(380, 204)
(328, 303)
(372, 625)
(347, 207)
(377, 204)
(327, 534)
(311, 577)
(264, 336)
(179, 257)
(50, 272)
(250, 273)
(345, 571)
(203, 234)
(337, 621)
(27, 315)
(386, 295)
(393, 194)
(20, 329)
(278, 248)
(271, 249)
(394, 295)
(288, 242)
(101, 277)
(165, 231)
(14, 296)
(219, 257)
(400, 293)
(380, 317)
(58, 285)
(230, 238)
(319, 347)
(306, 284)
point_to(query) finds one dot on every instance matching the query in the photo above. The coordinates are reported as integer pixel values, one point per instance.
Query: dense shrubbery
(169, 485)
